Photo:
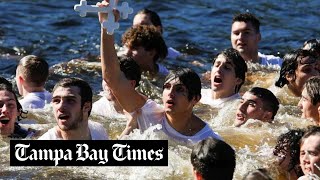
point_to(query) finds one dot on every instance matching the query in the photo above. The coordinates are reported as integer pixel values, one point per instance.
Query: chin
(241, 50)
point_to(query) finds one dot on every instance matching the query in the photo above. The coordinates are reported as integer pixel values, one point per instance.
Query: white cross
(110, 23)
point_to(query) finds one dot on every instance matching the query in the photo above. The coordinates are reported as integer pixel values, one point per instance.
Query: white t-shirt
(270, 60)
(103, 107)
(97, 131)
(36, 100)
(204, 133)
(206, 98)
(153, 114)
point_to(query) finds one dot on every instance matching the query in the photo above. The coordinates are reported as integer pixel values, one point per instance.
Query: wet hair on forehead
(147, 37)
(269, 100)
(310, 131)
(289, 142)
(189, 79)
(248, 17)
(154, 17)
(240, 66)
(312, 86)
(34, 69)
(290, 64)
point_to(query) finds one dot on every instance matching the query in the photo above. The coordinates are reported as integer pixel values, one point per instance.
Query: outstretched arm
(122, 89)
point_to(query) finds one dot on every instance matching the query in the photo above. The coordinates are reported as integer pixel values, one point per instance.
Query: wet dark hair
(310, 131)
(147, 37)
(34, 69)
(189, 78)
(247, 17)
(130, 69)
(240, 66)
(270, 101)
(290, 64)
(85, 89)
(312, 86)
(5, 85)
(213, 159)
(289, 143)
(154, 17)
(257, 174)
(312, 45)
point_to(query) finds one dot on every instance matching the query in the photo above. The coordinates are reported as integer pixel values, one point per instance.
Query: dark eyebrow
(252, 101)
(64, 97)
(249, 100)
(10, 99)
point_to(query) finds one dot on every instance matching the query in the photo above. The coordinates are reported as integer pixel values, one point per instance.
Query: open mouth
(217, 79)
(170, 102)
(4, 121)
(63, 117)
(240, 116)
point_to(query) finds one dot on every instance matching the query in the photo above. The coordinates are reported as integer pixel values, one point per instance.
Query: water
(199, 29)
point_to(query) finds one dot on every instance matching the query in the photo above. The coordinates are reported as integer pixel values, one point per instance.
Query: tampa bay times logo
(88, 153)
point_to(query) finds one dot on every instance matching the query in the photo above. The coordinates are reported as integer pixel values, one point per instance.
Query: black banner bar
(88, 153)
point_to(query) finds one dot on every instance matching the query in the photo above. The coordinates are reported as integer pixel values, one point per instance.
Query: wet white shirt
(153, 114)
(270, 60)
(35, 100)
(97, 131)
(103, 107)
(206, 98)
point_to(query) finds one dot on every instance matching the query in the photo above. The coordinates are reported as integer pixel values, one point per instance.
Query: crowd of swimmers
(143, 46)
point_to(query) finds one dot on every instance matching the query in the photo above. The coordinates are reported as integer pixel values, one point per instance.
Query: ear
(259, 37)
(267, 116)
(20, 79)
(159, 29)
(197, 175)
(152, 53)
(86, 107)
(133, 83)
(239, 81)
(196, 99)
(290, 77)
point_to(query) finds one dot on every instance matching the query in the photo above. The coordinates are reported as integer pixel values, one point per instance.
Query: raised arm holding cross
(110, 24)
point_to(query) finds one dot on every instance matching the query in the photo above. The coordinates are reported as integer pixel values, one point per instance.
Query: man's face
(250, 107)
(9, 112)
(302, 74)
(310, 155)
(175, 97)
(66, 103)
(223, 77)
(308, 109)
(244, 38)
(142, 57)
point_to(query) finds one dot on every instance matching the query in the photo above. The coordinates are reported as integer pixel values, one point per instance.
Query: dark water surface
(199, 28)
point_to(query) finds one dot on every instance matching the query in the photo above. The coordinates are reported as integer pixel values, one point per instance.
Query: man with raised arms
(180, 93)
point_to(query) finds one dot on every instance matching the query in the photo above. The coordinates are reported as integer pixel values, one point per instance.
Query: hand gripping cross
(110, 23)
